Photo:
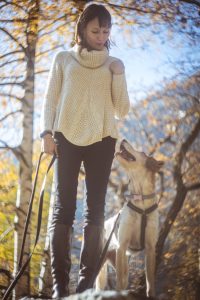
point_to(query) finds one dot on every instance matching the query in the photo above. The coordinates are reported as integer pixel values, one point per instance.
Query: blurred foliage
(8, 179)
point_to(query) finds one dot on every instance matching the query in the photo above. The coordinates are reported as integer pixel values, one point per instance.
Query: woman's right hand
(48, 145)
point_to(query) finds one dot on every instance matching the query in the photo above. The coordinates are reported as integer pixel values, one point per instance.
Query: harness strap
(144, 213)
(139, 196)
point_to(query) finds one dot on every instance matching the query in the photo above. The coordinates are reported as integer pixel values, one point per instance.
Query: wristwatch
(42, 134)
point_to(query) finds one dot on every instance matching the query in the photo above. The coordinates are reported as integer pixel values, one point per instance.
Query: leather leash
(21, 268)
(103, 253)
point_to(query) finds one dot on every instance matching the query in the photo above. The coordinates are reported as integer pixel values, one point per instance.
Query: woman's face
(95, 35)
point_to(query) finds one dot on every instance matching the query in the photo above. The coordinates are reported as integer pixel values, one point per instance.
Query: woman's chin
(98, 47)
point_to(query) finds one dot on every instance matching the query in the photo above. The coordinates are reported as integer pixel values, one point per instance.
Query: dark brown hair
(91, 12)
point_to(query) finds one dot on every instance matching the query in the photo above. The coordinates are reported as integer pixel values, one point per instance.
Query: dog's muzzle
(124, 153)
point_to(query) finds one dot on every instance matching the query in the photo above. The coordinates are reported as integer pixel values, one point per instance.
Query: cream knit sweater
(83, 97)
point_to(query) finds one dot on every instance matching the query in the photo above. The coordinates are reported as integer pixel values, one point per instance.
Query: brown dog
(137, 228)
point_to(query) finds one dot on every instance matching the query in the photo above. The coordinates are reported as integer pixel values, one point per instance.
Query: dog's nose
(122, 144)
(124, 141)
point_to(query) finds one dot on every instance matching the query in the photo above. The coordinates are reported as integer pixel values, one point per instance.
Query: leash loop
(21, 268)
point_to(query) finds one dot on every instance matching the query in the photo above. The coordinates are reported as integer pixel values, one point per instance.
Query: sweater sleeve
(52, 93)
(120, 96)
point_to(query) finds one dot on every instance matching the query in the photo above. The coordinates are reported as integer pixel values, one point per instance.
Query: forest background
(158, 41)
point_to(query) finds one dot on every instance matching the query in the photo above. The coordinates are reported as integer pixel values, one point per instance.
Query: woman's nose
(100, 37)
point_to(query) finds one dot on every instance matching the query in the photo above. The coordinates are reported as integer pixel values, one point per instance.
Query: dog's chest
(132, 227)
(129, 227)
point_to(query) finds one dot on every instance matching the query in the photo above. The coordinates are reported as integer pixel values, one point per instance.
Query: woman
(86, 90)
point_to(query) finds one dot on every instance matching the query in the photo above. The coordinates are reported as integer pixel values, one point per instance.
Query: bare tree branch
(13, 4)
(15, 150)
(54, 22)
(11, 77)
(11, 61)
(10, 53)
(6, 272)
(191, 2)
(54, 29)
(49, 50)
(5, 233)
(133, 8)
(181, 191)
(11, 96)
(13, 38)
(184, 148)
(43, 71)
(18, 20)
(12, 83)
(167, 139)
(10, 114)
(193, 186)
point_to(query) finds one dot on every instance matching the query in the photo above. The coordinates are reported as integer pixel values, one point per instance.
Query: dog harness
(144, 213)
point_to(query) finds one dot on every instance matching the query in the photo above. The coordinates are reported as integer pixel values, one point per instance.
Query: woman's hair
(91, 12)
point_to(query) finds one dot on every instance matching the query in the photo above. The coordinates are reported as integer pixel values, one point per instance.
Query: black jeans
(97, 159)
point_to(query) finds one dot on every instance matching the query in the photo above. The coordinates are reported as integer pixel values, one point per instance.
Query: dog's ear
(153, 164)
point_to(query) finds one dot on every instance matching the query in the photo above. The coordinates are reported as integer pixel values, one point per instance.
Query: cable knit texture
(83, 97)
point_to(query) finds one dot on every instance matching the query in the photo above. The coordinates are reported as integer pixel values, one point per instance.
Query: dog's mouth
(125, 154)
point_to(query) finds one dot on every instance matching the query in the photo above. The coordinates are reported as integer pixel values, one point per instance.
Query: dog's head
(132, 159)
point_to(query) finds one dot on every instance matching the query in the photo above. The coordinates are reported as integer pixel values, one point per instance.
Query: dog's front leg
(150, 252)
(121, 268)
(101, 279)
(150, 272)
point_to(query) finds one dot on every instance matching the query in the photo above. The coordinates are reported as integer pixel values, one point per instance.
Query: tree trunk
(181, 191)
(25, 153)
(171, 217)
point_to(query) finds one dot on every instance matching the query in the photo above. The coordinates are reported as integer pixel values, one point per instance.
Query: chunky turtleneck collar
(90, 59)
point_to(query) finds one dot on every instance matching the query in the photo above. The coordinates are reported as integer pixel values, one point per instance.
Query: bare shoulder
(117, 66)
(119, 61)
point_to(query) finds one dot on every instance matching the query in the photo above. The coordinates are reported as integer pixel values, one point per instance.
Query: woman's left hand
(117, 67)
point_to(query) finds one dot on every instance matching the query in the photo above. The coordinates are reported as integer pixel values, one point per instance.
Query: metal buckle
(137, 197)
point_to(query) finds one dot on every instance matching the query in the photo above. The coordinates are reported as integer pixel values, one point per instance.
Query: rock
(101, 295)
(105, 295)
